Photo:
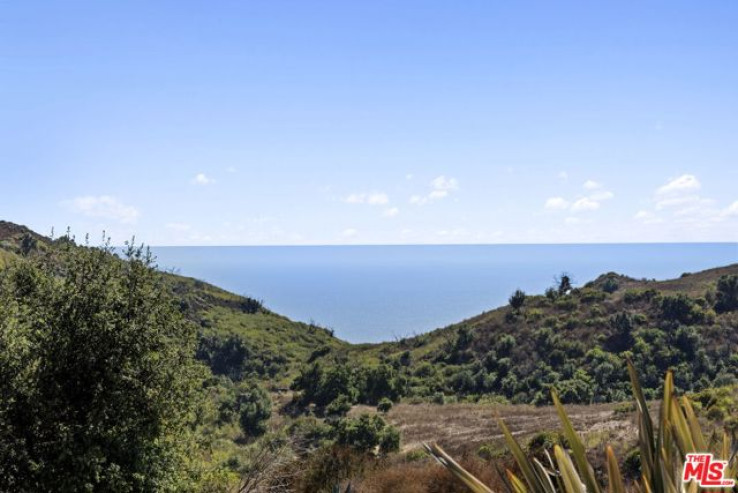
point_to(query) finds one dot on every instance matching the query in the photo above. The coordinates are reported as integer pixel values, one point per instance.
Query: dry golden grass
(424, 477)
(463, 428)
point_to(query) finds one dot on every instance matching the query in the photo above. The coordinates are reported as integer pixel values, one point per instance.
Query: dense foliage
(97, 380)
(575, 340)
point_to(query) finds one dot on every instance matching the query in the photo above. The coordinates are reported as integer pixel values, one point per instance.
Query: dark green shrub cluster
(98, 382)
(333, 386)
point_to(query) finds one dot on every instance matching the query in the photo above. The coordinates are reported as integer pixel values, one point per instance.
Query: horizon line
(313, 245)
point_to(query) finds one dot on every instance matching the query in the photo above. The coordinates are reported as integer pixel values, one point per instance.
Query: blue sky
(280, 122)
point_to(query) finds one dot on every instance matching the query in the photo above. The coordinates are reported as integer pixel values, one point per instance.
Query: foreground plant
(662, 450)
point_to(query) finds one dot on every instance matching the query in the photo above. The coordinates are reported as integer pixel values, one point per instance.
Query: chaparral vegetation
(116, 376)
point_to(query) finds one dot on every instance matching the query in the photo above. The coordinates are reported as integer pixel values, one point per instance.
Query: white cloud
(731, 210)
(446, 184)
(103, 206)
(441, 187)
(678, 204)
(585, 204)
(373, 198)
(679, 185)
(178, 226)
(349, 233)
(391, 212)
(556, 204)
(590, 202)
(202, 179)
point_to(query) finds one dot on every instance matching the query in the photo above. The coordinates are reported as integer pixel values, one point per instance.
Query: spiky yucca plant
(662, 449)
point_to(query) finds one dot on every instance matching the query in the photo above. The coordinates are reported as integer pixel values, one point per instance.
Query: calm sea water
(376, 293)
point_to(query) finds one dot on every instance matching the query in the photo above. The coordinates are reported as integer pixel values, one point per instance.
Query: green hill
(574, 339)
(238, 336)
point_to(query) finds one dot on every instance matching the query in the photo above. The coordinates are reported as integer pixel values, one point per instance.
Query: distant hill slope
(238, 336)
(574, 339)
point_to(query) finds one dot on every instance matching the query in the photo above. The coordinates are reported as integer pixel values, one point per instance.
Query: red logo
(708, 473)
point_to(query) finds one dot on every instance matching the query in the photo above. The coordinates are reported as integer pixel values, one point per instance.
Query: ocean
(379, 293)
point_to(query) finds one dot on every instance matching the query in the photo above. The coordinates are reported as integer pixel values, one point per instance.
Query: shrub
(389, 440)
(566, 304)
(727, 294)
(679, 308)
(384, 405)
(255, 408)
(517, 299)
(610, 285)
(544, 442)
(366, 432)
(338, 406)
(97, 376)
(551, 294)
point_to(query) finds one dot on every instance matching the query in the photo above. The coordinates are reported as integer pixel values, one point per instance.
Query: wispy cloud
(585, 204)
(440, 188)
(391, 212)
(103, 206)
(678, 202)
(680, 185)
(596, 194)
(202, 179)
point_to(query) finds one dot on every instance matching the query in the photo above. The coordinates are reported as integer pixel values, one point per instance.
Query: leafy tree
(517, 299)
(98, 380)
(727, 294)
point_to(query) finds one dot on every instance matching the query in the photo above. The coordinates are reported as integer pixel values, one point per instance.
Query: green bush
(384, 405)
(340, 406)
(727, 294)
(517, 299)
(367, 432)
(255, 409)
(97, 376)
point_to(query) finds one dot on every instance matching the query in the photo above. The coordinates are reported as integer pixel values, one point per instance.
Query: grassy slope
(220, 312)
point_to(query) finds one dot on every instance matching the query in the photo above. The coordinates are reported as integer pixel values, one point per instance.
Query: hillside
(574, 339)
(359, 412)
(238, 336)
